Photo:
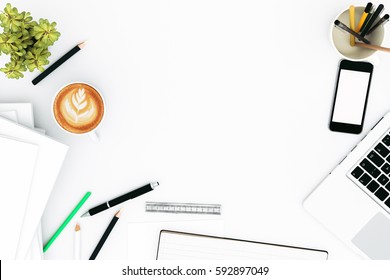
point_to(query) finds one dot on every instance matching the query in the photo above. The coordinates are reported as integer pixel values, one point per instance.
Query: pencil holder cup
(341, 40)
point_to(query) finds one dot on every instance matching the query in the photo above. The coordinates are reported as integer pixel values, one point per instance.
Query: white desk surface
(221, 101)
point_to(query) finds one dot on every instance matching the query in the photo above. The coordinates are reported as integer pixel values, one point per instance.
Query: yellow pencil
(352, 24)
(363, 17)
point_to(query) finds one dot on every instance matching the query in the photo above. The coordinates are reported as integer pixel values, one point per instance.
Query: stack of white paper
(29, 166)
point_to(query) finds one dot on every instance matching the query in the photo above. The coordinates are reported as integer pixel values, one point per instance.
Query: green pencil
(64, 224)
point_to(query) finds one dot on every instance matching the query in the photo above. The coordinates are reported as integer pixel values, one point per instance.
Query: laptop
(353, 201)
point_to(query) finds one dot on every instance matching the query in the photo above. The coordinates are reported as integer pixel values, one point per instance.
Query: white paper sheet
(24, 112)
(10, 115)
(36, 248)
(14, 190)
(40, 130)
(50, 157)
(143, 237)
(35, 252)
(184, 246)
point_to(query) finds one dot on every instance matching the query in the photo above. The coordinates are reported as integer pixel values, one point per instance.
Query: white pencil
(77, 242)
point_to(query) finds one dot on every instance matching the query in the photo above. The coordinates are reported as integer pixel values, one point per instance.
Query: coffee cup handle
(94, 136)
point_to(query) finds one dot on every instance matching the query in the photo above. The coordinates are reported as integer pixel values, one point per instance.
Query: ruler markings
(187, 208)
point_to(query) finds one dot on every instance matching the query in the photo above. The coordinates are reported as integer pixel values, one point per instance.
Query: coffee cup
(78, 108)
(341, 43)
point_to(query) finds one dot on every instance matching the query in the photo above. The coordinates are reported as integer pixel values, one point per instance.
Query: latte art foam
(78, 108)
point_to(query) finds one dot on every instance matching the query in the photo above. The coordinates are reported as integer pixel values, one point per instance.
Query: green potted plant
(25, 41)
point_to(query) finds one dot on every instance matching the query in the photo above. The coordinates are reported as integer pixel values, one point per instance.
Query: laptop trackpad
(374, 238)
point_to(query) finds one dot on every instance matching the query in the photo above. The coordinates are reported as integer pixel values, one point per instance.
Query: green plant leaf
(10, 19)
(25, 41)
(14, 69)
(9, 42)
(36, 58)
(45, 33)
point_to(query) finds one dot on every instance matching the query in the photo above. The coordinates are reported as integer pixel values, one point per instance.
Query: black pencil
(105, 236)
(58, 63)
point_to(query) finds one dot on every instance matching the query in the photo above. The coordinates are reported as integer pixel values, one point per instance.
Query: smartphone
(351, 95)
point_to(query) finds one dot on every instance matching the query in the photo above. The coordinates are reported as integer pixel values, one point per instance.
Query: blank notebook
(175, 245)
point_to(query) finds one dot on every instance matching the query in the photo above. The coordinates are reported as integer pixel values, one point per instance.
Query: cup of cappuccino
(78, 108)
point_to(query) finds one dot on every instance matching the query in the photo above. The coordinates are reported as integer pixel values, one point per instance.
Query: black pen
(343, 27)
(130, 195)
(374, 16)
(383, 20)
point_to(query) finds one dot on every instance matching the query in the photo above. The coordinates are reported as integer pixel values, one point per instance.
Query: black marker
(367, 10)
(383, 20)
(343, 27)
(130, 195)
(374, 16)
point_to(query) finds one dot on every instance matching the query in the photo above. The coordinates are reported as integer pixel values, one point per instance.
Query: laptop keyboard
(373, 171)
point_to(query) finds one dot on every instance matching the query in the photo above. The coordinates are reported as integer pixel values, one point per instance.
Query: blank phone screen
(351, 97)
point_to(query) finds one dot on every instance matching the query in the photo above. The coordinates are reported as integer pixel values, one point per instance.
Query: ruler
(183, 208)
